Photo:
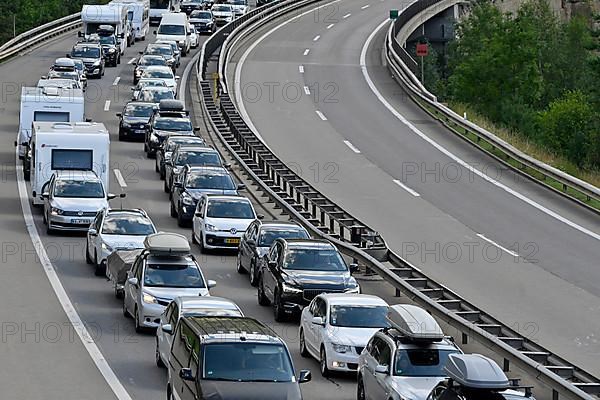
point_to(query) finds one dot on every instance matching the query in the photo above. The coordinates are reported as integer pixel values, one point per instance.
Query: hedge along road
(312, 103)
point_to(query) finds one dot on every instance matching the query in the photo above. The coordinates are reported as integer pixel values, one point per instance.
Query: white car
(194, 39)
(142, 83)
(188, 306)
(164, 73)
(335, 328)
(220, 221)
(154, 94)
(240, 7)
(223, 13)
(115, 229)
(72, 199)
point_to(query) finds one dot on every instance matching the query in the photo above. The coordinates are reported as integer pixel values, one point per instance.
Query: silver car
(114, 229)
(188, 306)
(154, 281)
(72, 199)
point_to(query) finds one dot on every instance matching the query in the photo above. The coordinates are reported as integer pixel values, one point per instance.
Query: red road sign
(422, 49)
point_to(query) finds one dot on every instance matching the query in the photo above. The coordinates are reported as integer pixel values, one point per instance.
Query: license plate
(140, 131)
(232, 241)
(81, 221)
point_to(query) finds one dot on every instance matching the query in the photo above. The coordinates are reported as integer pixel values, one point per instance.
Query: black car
(187, 6)
(230, 358)
(200, 156)
(146, 61)
(92, 56)
(134, 121)
(170, 118)
(192, 182)
(296, 270)
(257, 240)
(111, 48)
(164, 50)
(204, 21)
(165, 151)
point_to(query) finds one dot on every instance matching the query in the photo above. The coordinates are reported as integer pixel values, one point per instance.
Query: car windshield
(314, 260)
(171, 30)
(173, 142)
(139, 110)
(236, 209)
(212, 312)
(86, 52)
(169, 124)
(173, 276)
(152, 61)
(247, 362)
(78, 189)
(165, 50)
(359, 316)
(268, 236)
(135, 225)
(238, 2)
(158, 74)
(222, 8)
(421, 362)
(64, 74)
(203, 181)
(108, 40)
(156, 82)
(201, 15)
(155, 96)
(199, 157)
(192, 1)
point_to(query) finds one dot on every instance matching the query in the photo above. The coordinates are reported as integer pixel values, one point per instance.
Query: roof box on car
(414, 323)
(476, 371)
(171, 105)
(167, 243)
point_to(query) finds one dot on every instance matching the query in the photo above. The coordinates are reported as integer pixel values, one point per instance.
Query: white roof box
(167, 243)
(476, 371)
(415, 323)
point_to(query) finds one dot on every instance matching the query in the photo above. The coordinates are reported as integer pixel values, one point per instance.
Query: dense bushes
(531, 73)
(28, 14)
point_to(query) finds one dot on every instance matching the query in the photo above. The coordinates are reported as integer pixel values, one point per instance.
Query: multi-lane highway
(315, 88)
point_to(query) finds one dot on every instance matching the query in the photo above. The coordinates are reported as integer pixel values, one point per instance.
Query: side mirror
(197, 129)
(177, 77)
(88, 120)
(122, 35)
(123, 195)
(141, 52)
(227, 165)
(318, 321)
(381, 369)
(111, 196)
(79, 34)
(353, 267)
(241, 186)
(119, 115)
(186, 374)
(260, 216)
(167, 328)
(305, 376)
(68, 55)
(211, 284)
(45, 195)
(198, 214)
(92, 232)
(155, 32)
(133, 281)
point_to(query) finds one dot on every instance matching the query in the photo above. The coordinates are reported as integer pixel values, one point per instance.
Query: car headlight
(187, 199)
(106, 247)
(138, 72)
(111, 50)
(149, 299)
(355, 289)
(153, 137)
(126, 125)
(340, 348)
(210, 228)
(288, 288)
(97, 63)
(56, 211)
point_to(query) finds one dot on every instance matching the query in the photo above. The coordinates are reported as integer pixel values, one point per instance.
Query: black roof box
(171, 105)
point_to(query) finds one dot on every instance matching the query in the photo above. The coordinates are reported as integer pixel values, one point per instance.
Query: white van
(82, 146)
(138, 14)
(160, 7)
(52, 104)
(176, 27)
(92, 16)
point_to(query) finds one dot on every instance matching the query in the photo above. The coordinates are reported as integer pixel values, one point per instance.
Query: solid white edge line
(306, 90)
(316, 38)
(131, 61)
(107, 105)
(301, 69)
(306, 52)
(116, 81)
(446, 152)
(330, 26)
(119, 177)
(238, 69)
(347, 15)
(512, 253)
(321, 115)
(84, 335)
(409, 190)
(351, 146)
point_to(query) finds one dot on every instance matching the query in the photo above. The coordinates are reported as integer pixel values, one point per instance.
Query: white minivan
(175, 26)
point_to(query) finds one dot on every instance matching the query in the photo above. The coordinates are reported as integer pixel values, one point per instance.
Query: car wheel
(172, 210)
(27, 175)
(125, 311)
(360, 390)
(201, 243)
(278, 310)
(166, 187)
(136, 317)
(100, 269)
(146, 149)
(323, 361)
(119, 294)
(162, 174)
(252, 274)
(238, 265)
(49, 231)
(182, 223)
(44, 218)
(262, 298)
(88, 259)
(303, 351)
(156, 169)
(159, 361)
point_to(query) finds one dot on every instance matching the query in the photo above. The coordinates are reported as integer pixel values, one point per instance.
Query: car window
(421, 362)
(234, 209)
(268, 235)
(169, 312)
(173, 276)
(78, 189)
(358, 316)
(314, 260)
(134, 225)
(384, 353)
(201, 181)
(171, 124)
(98, 220)
(139, 110)
(320, 308)
(194, 157)
(174, 314)
(184, 342)
(274, 253)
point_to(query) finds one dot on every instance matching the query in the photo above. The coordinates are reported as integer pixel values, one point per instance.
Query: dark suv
(296, 270)
(170, 118)
(230, 358)
(92, 57)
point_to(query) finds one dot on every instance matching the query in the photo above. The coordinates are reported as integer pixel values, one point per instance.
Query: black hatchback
(134, 121)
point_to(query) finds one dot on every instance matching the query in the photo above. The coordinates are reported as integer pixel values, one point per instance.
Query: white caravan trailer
(52, 104)
(67, 146)
(138, 14)
(160, 7)
(92, 16)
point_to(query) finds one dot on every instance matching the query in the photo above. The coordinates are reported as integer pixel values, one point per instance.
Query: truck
(67, 146)
(93, 16)
(138, 14)
(54, 104)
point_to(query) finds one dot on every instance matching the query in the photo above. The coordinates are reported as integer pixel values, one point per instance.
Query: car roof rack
(476, 372)
(414, 323)
(167, 244)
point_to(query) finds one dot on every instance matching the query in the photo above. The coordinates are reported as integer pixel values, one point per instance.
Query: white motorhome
(175, 27)
(138, 14)
(67, 146)
(54, 104)
(160, 7)
(92, 16)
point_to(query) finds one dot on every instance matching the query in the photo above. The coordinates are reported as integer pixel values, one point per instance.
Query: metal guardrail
(403, 67)
(325, 219)
(38, 35)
